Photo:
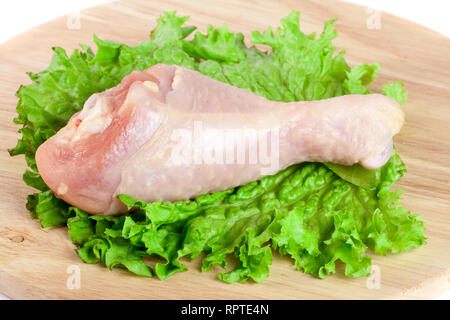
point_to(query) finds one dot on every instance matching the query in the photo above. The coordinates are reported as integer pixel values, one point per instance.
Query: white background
(18, 16)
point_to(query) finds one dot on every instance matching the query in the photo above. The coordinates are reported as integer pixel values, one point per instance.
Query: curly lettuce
(316, 213)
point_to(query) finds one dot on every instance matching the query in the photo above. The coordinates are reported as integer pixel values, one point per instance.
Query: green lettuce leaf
(395, 91)
(307, 212)
(318, 214)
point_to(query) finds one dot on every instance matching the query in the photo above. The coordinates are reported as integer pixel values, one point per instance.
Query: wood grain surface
(34, 262)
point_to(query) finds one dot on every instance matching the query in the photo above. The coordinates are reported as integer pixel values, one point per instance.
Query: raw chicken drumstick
(169, 133)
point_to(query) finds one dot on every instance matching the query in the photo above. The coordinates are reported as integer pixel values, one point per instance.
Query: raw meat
(169, 133)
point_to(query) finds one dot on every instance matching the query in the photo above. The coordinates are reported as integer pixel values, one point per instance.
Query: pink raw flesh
(123, 139)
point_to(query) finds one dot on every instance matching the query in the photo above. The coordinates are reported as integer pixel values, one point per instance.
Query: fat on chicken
(169, 133)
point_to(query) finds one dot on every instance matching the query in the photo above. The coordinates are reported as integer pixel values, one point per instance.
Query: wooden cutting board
(34, 262)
